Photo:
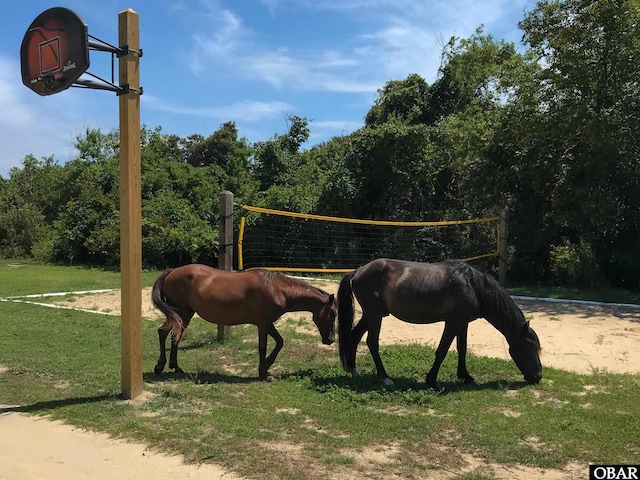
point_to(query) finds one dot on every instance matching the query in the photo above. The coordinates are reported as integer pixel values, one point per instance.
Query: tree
(424, 146)
(95, 146)
(588, 131)
(31, 197)
(276, 160)
(403, 100)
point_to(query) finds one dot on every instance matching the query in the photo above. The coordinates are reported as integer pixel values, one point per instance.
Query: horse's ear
(331, 298)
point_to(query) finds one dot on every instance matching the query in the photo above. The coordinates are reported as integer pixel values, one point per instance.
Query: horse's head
(525, 351)
(325, 320)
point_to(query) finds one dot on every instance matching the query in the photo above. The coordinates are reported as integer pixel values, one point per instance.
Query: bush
(20, 228)
(573, 265)
(173, 234)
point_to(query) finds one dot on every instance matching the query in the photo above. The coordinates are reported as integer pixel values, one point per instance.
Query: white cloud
(221, 39)
(245, 110)
(390, 39)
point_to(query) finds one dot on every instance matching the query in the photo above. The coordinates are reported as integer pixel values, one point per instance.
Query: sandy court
(576, 337)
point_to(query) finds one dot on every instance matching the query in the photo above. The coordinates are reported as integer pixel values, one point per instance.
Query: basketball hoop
(54, 51)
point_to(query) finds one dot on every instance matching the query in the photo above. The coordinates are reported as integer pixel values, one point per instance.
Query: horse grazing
(258, 297)
(422, 293)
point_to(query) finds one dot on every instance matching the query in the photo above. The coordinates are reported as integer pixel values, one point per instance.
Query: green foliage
(70, 214)
(573, 265)
(20, 230)
(87, 230)
(95, 146)
(401, 100)
(174, 234)
(276, 161)
(583, 145)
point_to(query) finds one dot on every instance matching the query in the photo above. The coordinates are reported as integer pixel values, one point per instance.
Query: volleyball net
(296, 242)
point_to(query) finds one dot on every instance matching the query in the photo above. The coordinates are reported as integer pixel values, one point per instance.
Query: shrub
(573, 265)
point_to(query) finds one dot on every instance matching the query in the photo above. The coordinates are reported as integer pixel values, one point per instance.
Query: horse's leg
(263, 331)
(356, 335)
(461, 344)
(271, 330)
(359, 330)
(173, 354)
(163, 332)
(373, 342)
(450, 331)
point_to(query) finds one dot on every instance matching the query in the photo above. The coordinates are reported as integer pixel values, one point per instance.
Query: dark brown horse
(258, 297)
(451, 291)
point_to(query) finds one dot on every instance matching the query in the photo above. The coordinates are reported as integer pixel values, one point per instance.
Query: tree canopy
(549, 130)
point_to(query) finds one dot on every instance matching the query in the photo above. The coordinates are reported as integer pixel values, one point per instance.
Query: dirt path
(575, 337)
(34, 448)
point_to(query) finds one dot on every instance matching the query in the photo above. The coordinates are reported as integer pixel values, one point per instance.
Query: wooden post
(502, 243)
(130, 206)
(225, 256)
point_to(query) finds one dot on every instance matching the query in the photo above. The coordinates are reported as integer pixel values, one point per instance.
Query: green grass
(313, 421)
(25, 277)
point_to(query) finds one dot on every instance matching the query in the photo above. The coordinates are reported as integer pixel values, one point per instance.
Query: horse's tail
(346, 313)
(174, 320)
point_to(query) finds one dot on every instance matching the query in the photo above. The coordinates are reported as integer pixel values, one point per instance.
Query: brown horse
(258, 297)
(451, 291)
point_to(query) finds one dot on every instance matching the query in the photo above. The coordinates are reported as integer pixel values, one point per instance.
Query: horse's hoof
(468, 380)
(387, 382)
(178, 370)
(354, 373)
(158, 369)
(432, 385)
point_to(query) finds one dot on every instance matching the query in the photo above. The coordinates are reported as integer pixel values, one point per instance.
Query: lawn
(313, 421)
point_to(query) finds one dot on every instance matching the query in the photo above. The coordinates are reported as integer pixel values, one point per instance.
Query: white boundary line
(579, 302)
(52, 305)
(20, 299)
(59, 294)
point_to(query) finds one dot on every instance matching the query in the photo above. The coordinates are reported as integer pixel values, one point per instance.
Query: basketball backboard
(54, 51)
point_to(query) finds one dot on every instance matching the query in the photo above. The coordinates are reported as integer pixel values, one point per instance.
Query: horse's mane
(496, 305)
(294, 285)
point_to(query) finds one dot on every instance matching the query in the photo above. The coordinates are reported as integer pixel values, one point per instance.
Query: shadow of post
(49, 405)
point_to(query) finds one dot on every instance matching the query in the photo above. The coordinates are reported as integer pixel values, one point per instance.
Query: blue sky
(253, 62)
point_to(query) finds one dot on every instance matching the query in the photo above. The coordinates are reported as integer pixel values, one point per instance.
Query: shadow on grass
(42, 407)
(366, 383)
(200, 378)
(362, 384)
